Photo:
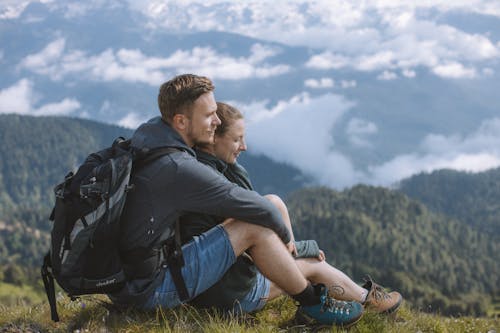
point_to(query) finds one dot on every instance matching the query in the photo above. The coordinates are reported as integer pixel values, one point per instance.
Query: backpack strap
(172, 251)
(48, 282)
(172, 248)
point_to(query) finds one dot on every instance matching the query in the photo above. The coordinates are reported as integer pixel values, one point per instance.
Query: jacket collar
(157, 133)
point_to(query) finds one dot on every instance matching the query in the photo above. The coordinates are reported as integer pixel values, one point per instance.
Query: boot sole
(303, 319)
(392, 309)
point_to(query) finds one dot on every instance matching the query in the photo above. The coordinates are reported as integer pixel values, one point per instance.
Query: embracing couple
(238, 246)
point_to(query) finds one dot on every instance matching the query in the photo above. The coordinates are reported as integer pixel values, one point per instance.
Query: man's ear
(179, 122)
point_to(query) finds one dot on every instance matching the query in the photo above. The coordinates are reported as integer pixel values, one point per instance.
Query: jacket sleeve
(200, 189)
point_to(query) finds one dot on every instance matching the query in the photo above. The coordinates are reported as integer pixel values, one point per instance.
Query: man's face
(203, 121)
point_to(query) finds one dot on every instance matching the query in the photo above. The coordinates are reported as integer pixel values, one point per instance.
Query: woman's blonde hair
(227, 115)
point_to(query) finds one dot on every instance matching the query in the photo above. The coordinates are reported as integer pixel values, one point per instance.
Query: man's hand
(291, 248)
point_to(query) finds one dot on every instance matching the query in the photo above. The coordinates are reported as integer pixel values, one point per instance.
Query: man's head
(187, 103)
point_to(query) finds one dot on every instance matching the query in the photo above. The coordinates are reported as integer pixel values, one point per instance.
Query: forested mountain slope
(434, 260)
(470, 197)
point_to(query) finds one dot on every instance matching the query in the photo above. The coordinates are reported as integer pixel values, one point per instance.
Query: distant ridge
(37, 152)
(470, 197)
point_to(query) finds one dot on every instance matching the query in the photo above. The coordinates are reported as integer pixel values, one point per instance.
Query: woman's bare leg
(340, 286)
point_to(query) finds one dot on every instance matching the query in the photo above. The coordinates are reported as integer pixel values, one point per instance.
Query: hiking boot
(329, 312)
(379, 300)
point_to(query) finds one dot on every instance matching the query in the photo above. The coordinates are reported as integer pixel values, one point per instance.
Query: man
(177, 183)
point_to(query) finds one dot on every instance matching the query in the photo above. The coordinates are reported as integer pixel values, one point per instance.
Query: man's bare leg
(274, 261)
(269, 254)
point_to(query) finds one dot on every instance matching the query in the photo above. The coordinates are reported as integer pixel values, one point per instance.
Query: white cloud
(476, 152)
(387, 76)
(327, 60)
(132, 120)
(365, 36)
(21, 99)
(17, 98)
(304, 125)
(305, 141)
(409, 73)
(11, 9)
(348, 83)
(131, 65)
(66, 106)
(324, 82)
(358, 131)
(454, 70)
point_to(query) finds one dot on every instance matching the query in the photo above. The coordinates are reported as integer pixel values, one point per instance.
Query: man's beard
(197, 139)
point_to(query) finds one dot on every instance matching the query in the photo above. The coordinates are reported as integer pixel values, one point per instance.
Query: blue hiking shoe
(329, 312)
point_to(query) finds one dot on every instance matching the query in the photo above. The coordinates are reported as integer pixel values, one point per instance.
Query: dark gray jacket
(171, 186)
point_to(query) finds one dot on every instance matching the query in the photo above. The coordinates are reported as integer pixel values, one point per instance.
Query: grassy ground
(91, 314)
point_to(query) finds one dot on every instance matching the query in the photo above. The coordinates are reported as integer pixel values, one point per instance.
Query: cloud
(454, 70)
(476, 152)
(131, 65)
(373, 36)
(304, 125)
(348, 83)
(17, 98)
(327, 60)
(132, 120)
(12, 9)
(324, 82)
(358, 130)
(409, 73)
(387, 76)
(21, 97)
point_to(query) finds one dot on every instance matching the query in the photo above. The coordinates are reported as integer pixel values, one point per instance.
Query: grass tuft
(96, 314)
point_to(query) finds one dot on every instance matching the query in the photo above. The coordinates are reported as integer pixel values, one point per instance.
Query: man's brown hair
(177, 95)
(227, 115)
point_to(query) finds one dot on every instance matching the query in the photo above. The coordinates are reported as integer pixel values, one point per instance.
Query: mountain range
(398, 236)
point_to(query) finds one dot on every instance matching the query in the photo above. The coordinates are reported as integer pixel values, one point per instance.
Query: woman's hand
(321, 256)
(291, 248)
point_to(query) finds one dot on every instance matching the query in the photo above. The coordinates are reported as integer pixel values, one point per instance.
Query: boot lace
(376, 291)
(330, 304)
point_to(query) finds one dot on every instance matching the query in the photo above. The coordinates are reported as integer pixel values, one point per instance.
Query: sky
(392, 41)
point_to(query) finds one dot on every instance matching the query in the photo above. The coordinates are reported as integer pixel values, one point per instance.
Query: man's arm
(198, 188)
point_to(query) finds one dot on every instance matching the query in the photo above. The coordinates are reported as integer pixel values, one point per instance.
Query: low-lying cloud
(299, 132)
(21, 98)
(131, 65)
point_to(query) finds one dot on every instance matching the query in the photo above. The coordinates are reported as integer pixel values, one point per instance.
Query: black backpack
(84, 256)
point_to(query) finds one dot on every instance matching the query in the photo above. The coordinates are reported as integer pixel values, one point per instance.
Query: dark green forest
(436, 248)
(436, 261)
(471, 198)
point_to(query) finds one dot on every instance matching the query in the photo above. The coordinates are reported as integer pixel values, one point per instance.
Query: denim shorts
(207, 258)
(256, 298)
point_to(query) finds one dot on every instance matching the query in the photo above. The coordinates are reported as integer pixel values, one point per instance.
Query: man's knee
(244, 235)
(245, 229)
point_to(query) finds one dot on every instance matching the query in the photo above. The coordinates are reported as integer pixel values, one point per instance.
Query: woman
(238, 288)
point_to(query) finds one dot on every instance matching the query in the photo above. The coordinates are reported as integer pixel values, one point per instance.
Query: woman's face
(229, 145)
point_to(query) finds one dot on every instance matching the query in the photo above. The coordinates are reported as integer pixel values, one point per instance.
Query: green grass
(24, 295)
(93, 314)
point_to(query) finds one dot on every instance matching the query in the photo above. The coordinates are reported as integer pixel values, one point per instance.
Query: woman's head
(229, 140)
